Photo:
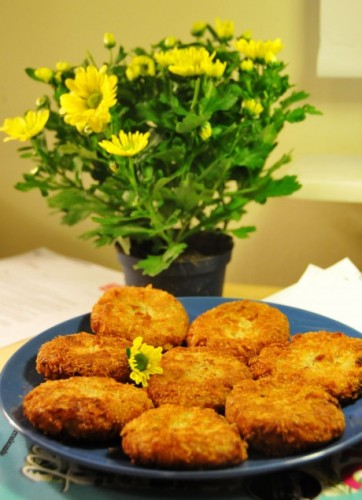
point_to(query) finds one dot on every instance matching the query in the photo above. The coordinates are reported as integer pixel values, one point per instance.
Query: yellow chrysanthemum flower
(224, 29)
(92, 93)
(23, 128)
(253, 106)
(257, 49)
(190, 61)
(126, 144)
(140, 66)
(214, 69)
(144, 361)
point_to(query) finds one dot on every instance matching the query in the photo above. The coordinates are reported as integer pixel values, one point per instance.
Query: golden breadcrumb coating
(84, 354)
(241, 327)
(281, 418)
(84, 408)
(177, 437)
(331, 359)
(196, 376)
(130, 312)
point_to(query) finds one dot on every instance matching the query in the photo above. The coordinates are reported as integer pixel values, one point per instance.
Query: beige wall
(290, 233)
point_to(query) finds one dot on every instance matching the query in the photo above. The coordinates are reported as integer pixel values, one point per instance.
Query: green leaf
(221, 102)
(176, 153)
(243, 232)
(32, 183)
(312, 110)
(69, 148)
(190, 122)
(215, 170)
(277, 187)
(154, 264)
(286, 158)
(249, 158)
(297, 115)
(269, 134)
(75, 204)
(186, 197)
(293, 98)
(31, 72)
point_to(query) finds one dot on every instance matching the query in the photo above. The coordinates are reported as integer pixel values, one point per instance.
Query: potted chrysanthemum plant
(164, 147)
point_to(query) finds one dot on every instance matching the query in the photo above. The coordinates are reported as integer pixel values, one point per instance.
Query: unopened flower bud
(41, 102)
(198, 28)
(109, 40)
(34, 171)
(247, 65)
(44, 74)
(88, 130)
(205, 131)
(113, 166)
(62, 66)
(170, 42)
(247, 35)
(224, 29)
(253, 106)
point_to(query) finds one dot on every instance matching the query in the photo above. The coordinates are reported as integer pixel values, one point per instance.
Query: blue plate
(19, 377)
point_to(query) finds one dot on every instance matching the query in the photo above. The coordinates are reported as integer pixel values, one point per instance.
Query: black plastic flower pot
(198, 272)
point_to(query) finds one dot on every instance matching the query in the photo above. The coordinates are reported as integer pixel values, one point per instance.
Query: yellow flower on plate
(92, 93)
(144, 361)
(24, 128)
(126, 144)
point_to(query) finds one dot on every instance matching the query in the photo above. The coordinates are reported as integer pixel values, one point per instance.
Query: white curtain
(340, 47)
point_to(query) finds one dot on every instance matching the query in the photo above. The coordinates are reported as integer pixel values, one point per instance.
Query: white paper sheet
(335, 292)
(41, 288)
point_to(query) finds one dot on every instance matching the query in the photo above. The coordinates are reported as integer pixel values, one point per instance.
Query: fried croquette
(331, 359)
(84, 354)
(241, 327)
(130, 311)
(281, 418)
(196, 376)
(84, 408)
(177, 437)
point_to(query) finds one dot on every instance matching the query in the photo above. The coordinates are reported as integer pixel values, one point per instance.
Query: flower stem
(132, 175)
(196, 93)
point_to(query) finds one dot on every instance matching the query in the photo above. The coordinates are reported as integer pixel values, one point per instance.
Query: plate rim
(109, 465)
